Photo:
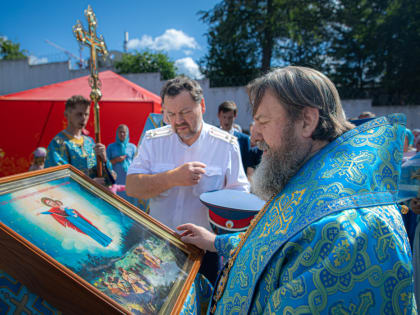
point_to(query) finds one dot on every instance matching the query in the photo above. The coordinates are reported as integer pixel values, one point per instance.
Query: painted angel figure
(73, 219)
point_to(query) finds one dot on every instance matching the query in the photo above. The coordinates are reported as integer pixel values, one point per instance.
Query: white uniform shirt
(162, 150)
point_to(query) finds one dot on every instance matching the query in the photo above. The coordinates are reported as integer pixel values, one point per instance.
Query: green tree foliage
(141, 62)
(370, 48)
(374, 49)
(245, 36)
(305, 42)
(353, 46)
(233, 48)
(10, 50)
(398, 38)
(289, 31)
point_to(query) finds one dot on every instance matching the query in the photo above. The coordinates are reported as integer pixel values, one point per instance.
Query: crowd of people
(331, 237)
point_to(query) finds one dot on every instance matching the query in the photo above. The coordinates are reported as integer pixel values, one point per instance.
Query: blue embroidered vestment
(65, 150)
(332, 241)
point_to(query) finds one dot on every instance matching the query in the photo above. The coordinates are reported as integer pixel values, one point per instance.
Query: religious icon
(101, 245)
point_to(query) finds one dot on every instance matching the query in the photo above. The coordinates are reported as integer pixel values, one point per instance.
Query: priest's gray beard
(279, 165)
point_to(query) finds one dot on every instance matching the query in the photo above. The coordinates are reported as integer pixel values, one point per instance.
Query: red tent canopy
(32, 118)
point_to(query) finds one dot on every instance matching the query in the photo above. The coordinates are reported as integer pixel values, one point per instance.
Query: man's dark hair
(179, 84)
(228, 106)
(298, 87)
(75, 100)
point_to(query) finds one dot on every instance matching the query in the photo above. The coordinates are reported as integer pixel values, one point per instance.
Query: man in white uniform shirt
(178, 162)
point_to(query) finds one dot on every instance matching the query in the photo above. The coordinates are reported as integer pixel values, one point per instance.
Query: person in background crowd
(415, 207)
(417, 144)
(416, 134)
(408, 150)
(409, 195)
(226, 114)
(121, 153)
(71, 146)
(256, 153)
(39, 159)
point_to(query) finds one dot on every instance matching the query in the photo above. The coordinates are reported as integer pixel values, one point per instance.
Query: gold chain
(223, 279)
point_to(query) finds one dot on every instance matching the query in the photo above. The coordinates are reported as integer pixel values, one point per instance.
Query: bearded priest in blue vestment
(330, 238)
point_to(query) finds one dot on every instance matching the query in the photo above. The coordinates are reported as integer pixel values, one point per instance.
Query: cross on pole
(97, 46)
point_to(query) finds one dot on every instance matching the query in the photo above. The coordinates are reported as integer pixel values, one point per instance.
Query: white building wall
(16, 76)
(149, 81)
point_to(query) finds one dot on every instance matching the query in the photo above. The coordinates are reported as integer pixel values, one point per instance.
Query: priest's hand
(198, 236)
(100, 151)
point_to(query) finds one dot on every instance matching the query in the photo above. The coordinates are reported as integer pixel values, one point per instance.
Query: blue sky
(169, 25)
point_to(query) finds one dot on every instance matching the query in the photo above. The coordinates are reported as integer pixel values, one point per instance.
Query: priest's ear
(310, 119)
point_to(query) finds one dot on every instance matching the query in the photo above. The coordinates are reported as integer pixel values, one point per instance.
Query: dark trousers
(210, 266)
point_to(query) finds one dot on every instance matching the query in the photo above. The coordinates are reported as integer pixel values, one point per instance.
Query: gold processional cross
(97, 46)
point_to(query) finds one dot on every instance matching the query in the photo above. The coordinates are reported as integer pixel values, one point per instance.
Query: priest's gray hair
(298, 87)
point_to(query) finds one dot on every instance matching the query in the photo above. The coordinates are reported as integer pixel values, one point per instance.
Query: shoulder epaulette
(159, 132)
(223, 135)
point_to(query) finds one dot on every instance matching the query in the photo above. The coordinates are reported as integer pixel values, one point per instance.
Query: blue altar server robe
(65, 150)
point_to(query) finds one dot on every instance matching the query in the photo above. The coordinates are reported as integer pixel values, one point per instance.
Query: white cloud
(33, 60)
(133, 43)
(188, 67)
(170, 40)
